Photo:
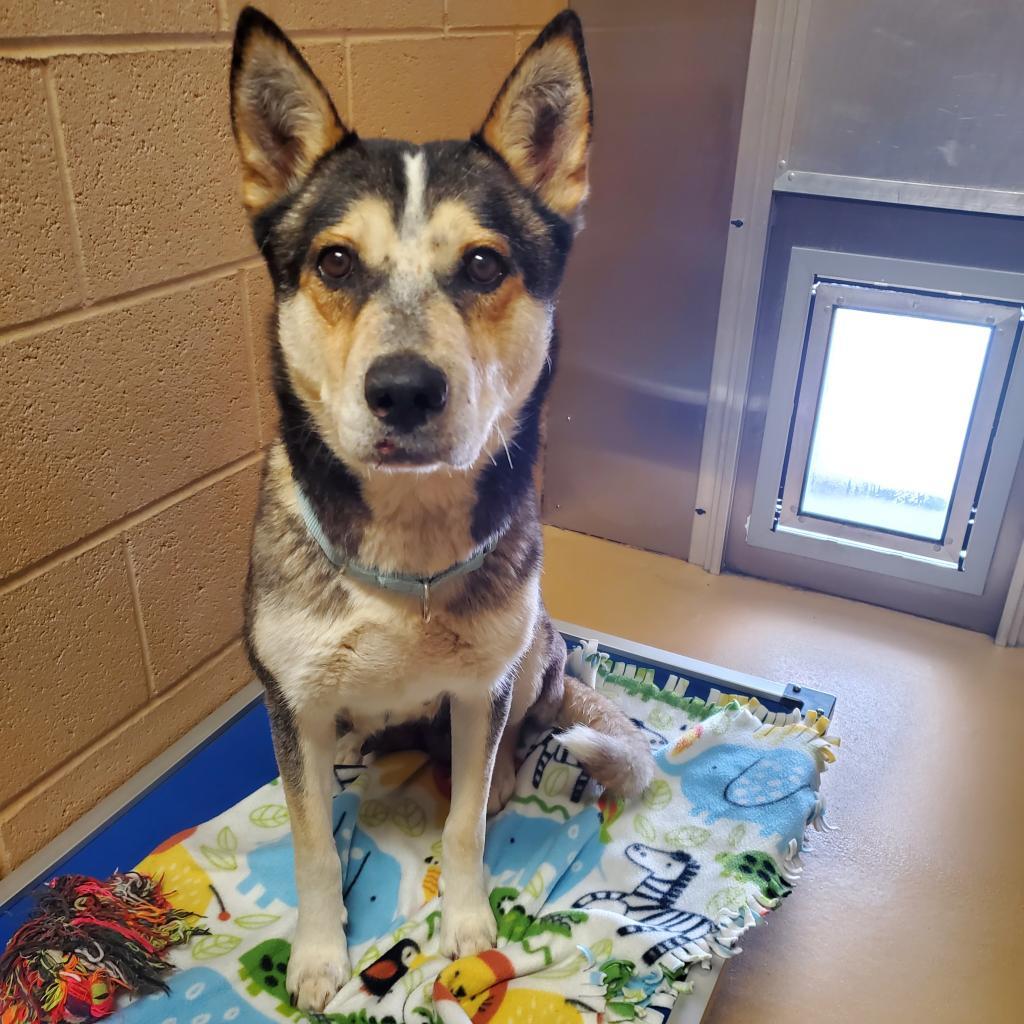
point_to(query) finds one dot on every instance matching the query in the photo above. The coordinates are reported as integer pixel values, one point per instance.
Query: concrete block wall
(133, 368)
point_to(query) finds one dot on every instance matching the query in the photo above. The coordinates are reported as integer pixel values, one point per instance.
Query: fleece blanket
(602, 906)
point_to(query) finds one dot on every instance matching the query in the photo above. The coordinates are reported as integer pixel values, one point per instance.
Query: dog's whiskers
(508, 454)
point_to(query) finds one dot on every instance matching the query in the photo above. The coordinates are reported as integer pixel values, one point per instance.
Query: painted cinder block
(106, 17)
(190, 562)
(487, 13)
(152, 165)
(106, 415)
(417, 88)
(74, 789)
(72, 664)
(40, 272)
(330, 16)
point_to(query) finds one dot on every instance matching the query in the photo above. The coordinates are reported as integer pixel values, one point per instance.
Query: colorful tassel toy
(87, 940)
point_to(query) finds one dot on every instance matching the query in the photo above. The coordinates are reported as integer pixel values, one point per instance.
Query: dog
(396, 553)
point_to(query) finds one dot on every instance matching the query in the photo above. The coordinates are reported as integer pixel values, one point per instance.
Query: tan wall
(133, 376)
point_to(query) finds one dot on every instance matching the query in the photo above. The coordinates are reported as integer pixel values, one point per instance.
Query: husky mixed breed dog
(395, 573)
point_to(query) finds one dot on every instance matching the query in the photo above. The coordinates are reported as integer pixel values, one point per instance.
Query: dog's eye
(335, 263)
(484, 267)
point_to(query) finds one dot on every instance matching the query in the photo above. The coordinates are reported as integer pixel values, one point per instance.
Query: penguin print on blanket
(656, 903)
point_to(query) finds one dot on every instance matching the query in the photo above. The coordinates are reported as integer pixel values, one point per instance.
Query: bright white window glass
(895, 406)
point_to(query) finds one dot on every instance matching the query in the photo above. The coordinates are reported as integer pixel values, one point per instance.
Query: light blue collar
(398, 582)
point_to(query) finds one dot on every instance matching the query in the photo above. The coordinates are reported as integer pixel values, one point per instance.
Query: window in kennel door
(888, 429)
(892, 420)
(882, 450)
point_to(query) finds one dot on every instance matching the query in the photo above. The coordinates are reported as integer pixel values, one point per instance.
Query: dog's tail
(604, 740)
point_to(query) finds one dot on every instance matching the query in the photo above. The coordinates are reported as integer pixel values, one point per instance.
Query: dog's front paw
(503, 784)
(468, 930)
(316, 970)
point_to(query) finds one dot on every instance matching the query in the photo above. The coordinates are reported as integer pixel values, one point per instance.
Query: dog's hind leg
(305, 744)
(526, 683)
(467, 922)
(503, 778)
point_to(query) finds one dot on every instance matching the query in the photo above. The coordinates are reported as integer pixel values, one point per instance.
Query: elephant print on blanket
(772, 789)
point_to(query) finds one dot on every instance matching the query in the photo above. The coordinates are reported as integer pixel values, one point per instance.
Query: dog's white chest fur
(378, 662)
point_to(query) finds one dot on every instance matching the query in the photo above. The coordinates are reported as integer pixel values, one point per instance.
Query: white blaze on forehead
(411, 276)
(415, 191)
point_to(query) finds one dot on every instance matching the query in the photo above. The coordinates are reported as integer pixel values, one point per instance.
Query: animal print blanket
(602, 905)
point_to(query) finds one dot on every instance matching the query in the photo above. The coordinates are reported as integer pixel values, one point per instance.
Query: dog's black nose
(403, 390)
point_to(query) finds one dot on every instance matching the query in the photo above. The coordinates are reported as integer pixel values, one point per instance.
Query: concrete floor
(914, 911)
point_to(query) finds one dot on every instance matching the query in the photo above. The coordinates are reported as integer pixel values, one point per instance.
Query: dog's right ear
(281, 115)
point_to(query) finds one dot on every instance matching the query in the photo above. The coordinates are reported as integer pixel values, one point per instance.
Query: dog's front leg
(318, 965)
(467, 923)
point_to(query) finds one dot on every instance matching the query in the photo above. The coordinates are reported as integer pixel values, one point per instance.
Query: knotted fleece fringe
(86, 940)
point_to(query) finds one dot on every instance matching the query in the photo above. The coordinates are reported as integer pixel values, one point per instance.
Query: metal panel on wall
(924, 91)
(640, 302)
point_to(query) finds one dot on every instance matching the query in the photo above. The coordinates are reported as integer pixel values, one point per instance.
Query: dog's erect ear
(540, 123)
(282, 117)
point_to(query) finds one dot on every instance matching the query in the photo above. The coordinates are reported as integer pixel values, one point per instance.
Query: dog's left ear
(541, 121)
(283, 118)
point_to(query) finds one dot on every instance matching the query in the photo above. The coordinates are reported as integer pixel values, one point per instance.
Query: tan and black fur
(413, 346)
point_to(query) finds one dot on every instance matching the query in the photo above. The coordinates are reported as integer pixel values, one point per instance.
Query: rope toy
(87, 940)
